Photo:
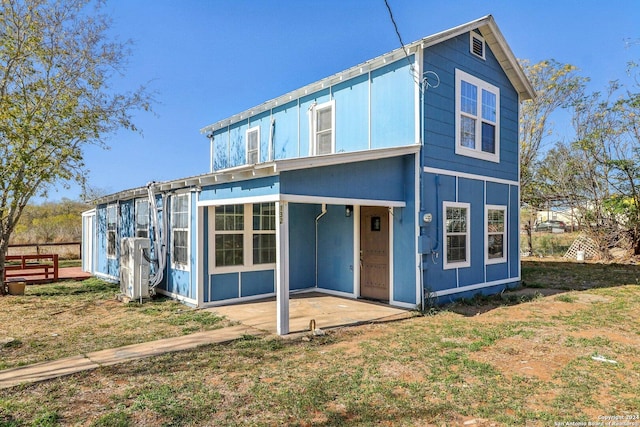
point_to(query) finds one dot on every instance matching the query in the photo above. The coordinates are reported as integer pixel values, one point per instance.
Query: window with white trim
(477, 118)
(496, 250)
(323, 128)
(476, 44)
(457, 251)
(112, 230)
(244, 235)
(180, 231)
(253, 145)
(229, 235)
(264, 233)
(142, 218)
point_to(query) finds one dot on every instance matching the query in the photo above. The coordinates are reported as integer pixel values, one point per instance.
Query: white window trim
(247, 242)
(313, 111)
(450, 265)
(175, 265)
(255, 129)
(135, 217)
(472, 35)
(115, 248)
(502, 259)
(477, 151)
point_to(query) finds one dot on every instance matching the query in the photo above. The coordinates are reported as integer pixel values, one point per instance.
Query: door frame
(356, 250)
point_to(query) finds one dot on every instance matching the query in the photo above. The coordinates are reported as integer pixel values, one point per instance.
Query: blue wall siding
(472, 191)
(262, 121)
(404, 248)
(335, 250)
(392, 105)
(514, 230)
(249, 188)
(101, 240)
(285, 136)
(352, 114)
(377, 179)
(302, 245)
(127, 219)
(257, 283)
(221, 149)
(224, 286)
(439, 110)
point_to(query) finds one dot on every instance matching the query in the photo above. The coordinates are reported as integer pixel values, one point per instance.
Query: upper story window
(476, 44)
(180, 231)
(323, 128)
(142, 218)
(477, 118)
(457, 248)
(253, 145)
(112, 230)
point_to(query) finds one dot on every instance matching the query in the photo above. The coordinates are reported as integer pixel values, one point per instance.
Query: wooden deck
(66, 273)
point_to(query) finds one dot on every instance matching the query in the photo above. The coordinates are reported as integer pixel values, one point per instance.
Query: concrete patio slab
(328, 311)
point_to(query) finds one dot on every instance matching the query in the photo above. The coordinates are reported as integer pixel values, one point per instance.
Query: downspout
(320, 215)
(272, 148)
(210, 136)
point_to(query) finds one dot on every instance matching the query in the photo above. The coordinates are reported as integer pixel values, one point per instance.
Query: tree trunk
(527, 228)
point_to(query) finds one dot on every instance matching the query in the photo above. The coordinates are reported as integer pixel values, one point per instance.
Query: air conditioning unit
(134, 267)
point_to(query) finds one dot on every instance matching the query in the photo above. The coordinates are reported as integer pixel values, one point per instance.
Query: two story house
(395, 180)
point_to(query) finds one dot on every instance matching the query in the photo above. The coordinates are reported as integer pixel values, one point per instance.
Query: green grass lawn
(571, 356)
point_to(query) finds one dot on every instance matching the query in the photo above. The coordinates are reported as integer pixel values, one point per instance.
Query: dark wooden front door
(374, 253)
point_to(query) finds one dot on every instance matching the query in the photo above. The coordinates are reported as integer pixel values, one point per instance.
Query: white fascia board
(317, 200)
(240, 200)
(461, 289)
(466, 175)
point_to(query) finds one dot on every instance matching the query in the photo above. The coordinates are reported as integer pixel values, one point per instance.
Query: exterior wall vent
(477, 44)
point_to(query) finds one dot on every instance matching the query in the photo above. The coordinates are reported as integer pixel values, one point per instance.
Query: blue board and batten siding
(467, 179)
(374, 108)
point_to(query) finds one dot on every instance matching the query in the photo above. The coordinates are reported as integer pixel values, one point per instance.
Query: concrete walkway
(256, 318)
(70, 365)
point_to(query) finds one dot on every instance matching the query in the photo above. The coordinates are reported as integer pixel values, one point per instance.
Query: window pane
(229, 218)
(229, 249)
(252, 140)
(495, 220)
(324, 119)
(456, 220)
(111, 243)
(488, 106)
(456, 248)
(324, 143)
(488, 138)
(264, 216)
(264, 248)
(252, 158)
(467, 132)
(496, 246)
(469, 98)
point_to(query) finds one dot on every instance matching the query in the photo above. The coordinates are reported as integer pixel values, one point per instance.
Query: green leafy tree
(57, 64)
(557, 86)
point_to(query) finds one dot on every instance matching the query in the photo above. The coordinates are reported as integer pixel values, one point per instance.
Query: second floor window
(253, 145)
(477, 118)
(323, 128)
(142, 218)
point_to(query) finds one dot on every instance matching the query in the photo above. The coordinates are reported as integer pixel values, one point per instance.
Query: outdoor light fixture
(348, 210)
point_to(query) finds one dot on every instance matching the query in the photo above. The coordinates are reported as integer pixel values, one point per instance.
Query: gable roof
(486, 25)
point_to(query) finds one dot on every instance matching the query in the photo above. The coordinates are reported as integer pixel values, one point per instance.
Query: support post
(282, 268)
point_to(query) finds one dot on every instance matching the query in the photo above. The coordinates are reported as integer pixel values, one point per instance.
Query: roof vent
(477, 44)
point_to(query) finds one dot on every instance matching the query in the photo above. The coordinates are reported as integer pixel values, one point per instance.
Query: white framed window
(253, 145)
(180, 231)
(496, 234)
(456, 228)
(476, 44)
(264, 233)
(244, 236)
(142, 218)
(229, 235)
(477, 118)
(112, 230)
(323, 119)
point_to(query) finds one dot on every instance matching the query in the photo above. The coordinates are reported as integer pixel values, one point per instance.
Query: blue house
(396, 180)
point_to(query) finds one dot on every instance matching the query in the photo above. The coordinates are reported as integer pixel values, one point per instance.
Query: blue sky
(207, 60)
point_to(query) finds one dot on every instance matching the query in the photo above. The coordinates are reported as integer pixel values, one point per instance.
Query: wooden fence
(31, 267)
(64, 250)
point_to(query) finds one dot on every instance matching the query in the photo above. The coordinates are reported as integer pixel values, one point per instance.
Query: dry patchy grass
(511, 361)
(71, 318)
